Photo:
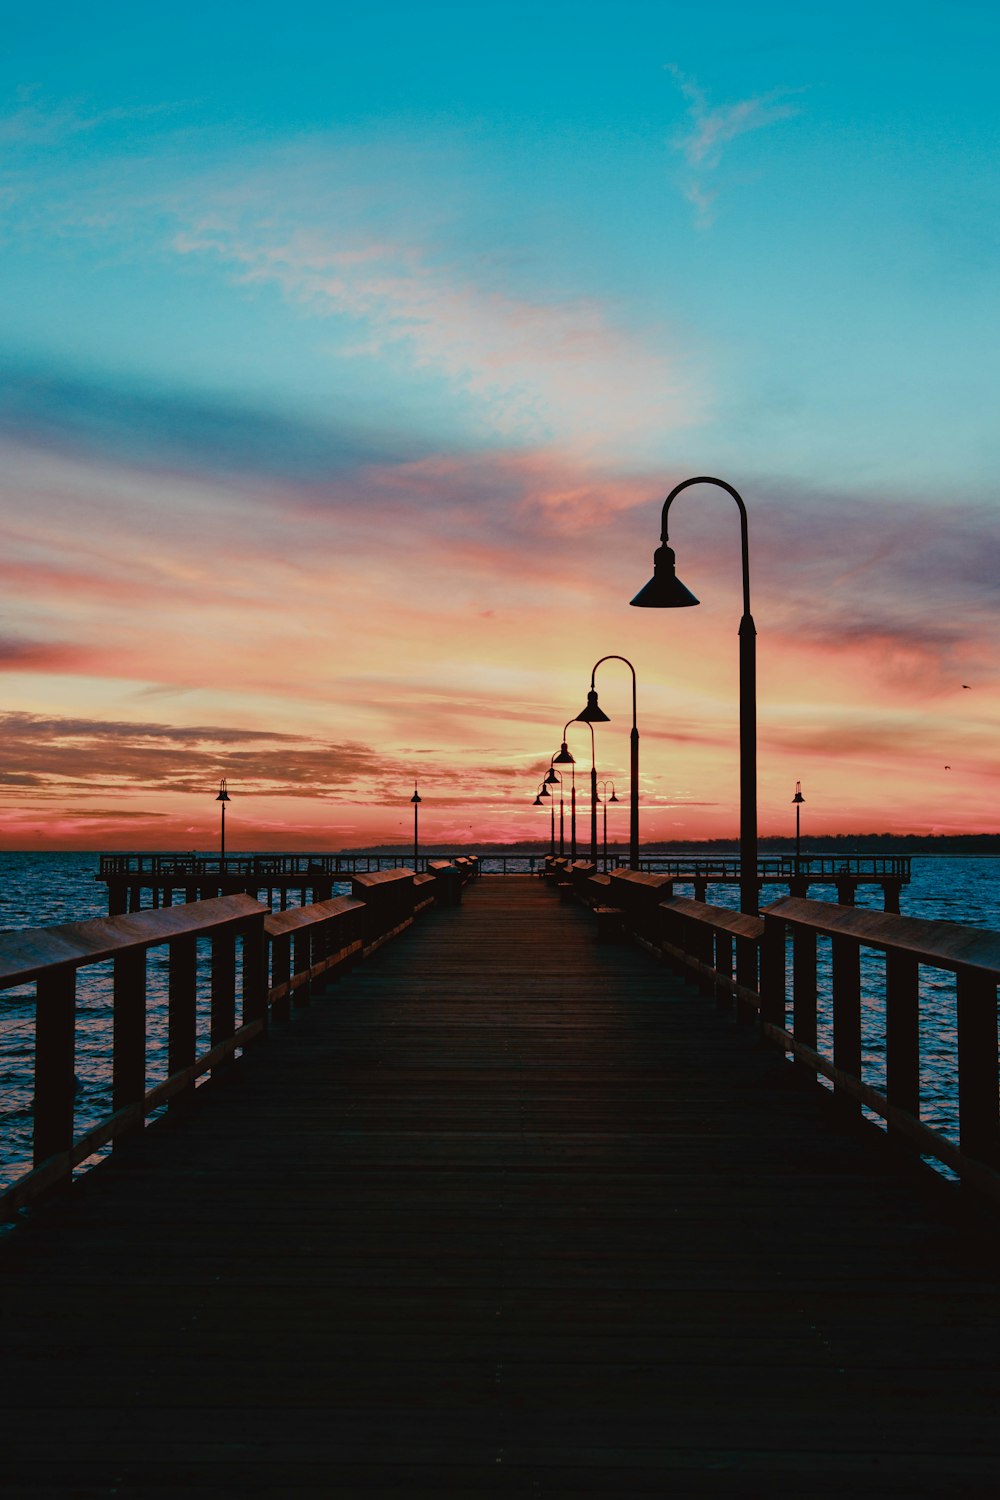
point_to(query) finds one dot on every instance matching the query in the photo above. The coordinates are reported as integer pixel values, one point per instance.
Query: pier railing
(759, 964)
(259, 867)
(783, 867)
(260, 964)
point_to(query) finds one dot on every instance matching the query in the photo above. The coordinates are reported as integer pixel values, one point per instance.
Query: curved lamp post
(554, 778)
(665, 591)
(542, 796)
(223, 797)
(797, 802)
(605, 800)
(416, 799)
(594, 714)
(593, 786)
(563, 758)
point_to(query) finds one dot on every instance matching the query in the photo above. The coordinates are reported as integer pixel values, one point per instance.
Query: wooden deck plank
(505, 1212)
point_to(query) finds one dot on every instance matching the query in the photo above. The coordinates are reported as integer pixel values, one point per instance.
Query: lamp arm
(631, 669)
(706, 479)
(593, 749)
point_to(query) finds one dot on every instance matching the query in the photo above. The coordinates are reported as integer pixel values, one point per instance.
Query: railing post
(723, 969)
(182, 1003)
(281, 972)
(804, 989)
(977, 1064)
(301, 943)
(902, 1031)
(847, 1007)
(255, 972)
(747, 961)
(128, 1066)
(772, 971)
(223, 1022)
(54, 1063)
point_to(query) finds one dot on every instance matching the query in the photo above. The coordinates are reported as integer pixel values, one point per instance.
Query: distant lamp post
(554, 778)
(563, 758)
(415, 799)
(797, 802)
(223, 797)
(543, 796)
(594, 714)
(593, 787)
(665, 591)
(605, 800)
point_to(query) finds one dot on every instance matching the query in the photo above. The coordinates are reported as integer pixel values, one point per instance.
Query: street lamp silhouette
(594, 714)
(542, 796)
(665, 591)
(554, 778)
(563, 758)
(415, 799)
(593, 786)
(223, 797)
(605, 800)
(797, 802)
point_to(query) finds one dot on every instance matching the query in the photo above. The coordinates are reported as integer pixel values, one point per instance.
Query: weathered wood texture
(507, 1213)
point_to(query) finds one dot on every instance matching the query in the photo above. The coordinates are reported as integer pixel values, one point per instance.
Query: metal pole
(633, 827)
(593, 811)
(748, 701)
(572, 815)
(605, 833)
(748, 765)
(222, 841)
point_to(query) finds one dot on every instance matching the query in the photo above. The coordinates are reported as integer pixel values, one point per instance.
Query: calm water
(40, 890)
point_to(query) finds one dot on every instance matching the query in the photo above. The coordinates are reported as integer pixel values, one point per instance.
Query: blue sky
(499, 277)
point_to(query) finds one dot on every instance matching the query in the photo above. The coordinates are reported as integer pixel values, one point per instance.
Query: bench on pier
(596, 893)
(449, 878)
(389, 897)
(571, 883)
(638, 894)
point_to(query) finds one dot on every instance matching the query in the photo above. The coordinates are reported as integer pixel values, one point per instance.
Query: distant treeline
(833, 843)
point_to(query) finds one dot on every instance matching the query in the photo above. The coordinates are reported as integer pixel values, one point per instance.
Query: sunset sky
(348, 354)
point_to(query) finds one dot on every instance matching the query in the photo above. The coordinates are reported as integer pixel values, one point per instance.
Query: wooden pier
(505, 1211)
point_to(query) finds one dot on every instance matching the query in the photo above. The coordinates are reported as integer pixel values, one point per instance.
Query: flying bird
(947, 768)
(965, 684)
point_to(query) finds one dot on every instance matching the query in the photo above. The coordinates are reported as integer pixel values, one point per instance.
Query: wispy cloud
(712, 128)
(561, 370)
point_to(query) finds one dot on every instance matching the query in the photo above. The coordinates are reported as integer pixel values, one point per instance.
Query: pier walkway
(507, 1212)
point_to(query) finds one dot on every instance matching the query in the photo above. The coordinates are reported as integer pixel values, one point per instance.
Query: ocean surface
(41, 890)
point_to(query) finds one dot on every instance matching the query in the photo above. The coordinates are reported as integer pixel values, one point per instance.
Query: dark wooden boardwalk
(508, 1213)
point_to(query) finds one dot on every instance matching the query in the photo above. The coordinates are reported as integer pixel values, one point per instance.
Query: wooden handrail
(25, 955)
(945, 945)
(297, 917)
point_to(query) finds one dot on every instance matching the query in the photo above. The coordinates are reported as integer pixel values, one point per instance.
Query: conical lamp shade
(593, 713)
(664, 590)
(564, 758)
